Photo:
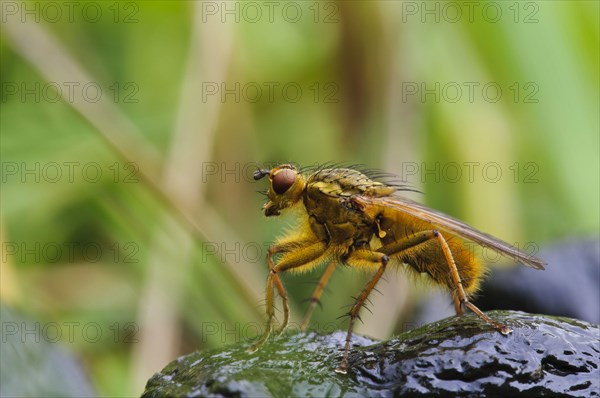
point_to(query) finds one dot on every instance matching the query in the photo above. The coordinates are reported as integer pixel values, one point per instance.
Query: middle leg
(361, 258)
(316, 296)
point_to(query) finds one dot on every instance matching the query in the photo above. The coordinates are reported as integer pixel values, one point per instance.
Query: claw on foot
(505, 330)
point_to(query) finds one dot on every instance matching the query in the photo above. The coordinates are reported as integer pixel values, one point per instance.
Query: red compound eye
(283, 180)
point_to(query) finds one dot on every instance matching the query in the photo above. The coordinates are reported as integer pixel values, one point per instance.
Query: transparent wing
(449, 224)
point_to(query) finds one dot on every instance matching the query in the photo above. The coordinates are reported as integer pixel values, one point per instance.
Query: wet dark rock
(462, 357)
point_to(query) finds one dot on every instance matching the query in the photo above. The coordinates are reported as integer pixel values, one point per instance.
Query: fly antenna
(260, 173)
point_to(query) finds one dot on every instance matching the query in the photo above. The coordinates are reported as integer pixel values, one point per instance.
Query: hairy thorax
(331, 221)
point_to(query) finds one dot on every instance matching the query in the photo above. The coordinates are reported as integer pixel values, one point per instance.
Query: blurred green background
(130, 131)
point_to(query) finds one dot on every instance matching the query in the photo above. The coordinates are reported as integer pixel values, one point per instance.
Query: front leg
(303, 255)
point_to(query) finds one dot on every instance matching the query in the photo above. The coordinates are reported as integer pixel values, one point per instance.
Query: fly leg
(360, 258)
(460, 297)
(294, 257)
(412, 243)
(323, 233)
(314, 299)
(368, 258)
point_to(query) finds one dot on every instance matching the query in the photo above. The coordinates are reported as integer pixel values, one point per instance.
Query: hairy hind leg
(364, 257)
(462, 297)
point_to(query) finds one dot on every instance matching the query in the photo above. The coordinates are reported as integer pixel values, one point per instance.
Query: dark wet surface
(461, 357)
